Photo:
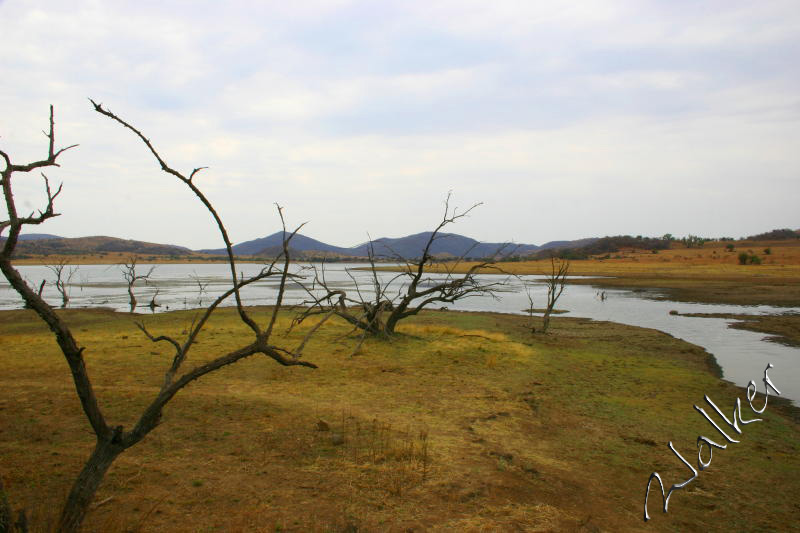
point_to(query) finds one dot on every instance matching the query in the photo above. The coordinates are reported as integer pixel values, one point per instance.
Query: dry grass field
(464, 422)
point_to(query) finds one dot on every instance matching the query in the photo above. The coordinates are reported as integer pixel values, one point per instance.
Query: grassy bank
(465, 422)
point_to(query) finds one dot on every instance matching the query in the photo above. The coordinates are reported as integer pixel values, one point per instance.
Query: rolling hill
(53, 245)
(411, 246)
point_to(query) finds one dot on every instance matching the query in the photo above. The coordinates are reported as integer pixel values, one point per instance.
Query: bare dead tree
(131, 277)
(201, 287)
(41, 288)
(112, 440)
(39, 292)
(152, 305)
(406, 293)
(63, 279)
(555, 282)
(530, 325)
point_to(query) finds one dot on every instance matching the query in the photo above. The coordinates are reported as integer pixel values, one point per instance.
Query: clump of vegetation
(749, 258)
(570, 254)
(693, 241)
(730, 247)
(767, 251)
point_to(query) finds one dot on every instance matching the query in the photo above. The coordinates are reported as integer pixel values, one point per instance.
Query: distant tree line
(604, 245)
(608, 245)
(784, 234)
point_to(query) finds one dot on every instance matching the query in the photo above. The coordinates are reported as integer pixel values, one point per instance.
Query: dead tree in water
(62, 280)
(201, 287)
(529, 325)
(111, 440)
(39, 292)
(555, 282)
(152, 305)
(409, 291)
(131, 277)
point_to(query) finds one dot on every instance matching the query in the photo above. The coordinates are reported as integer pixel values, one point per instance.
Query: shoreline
(732, 285)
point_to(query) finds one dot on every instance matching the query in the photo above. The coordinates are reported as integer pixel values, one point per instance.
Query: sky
(565, 119)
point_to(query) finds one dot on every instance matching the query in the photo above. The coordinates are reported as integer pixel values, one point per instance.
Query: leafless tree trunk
(530, 325)
(112, 440)
(131, 277)
(555, 281)
(417, 289)
(152, 305)
(201, 287)
(5, 511)
(63, 279)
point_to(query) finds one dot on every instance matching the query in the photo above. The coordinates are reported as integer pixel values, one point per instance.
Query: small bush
(767, 251)
(729, 247)
(750, 258)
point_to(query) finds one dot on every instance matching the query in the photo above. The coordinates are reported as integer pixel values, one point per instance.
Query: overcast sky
(566, 119)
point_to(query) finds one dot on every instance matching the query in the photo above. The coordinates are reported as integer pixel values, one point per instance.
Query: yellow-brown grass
(463, 422)
(712, 261)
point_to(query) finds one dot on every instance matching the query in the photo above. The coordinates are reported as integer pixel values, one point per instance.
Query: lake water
(743, 355)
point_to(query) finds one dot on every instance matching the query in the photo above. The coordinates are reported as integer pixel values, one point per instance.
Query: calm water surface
(741, 354)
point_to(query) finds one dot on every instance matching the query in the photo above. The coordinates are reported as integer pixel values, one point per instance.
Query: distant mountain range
(302, 247)
(411, 246)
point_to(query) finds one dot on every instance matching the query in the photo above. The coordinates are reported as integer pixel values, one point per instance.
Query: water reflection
(742, 354)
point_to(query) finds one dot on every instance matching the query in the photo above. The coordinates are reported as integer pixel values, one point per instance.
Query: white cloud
(599, 116)
(646, 79)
